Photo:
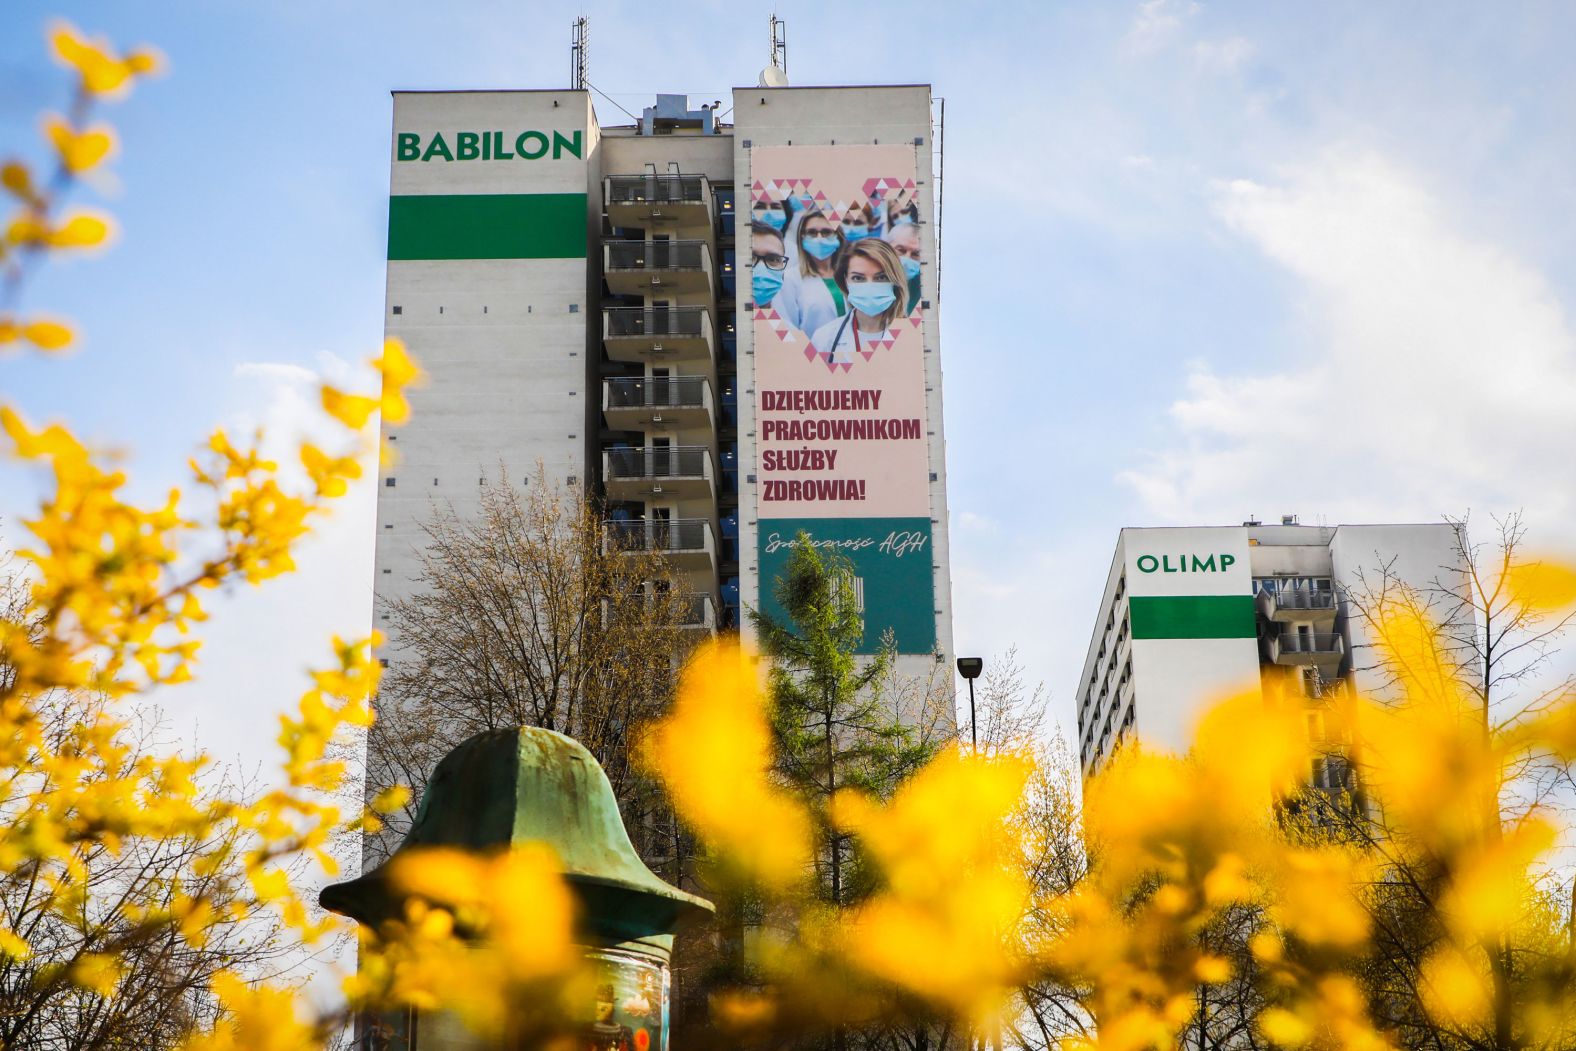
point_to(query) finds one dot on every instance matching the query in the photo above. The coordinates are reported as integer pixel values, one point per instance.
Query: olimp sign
(487, 146)
(1186, 563)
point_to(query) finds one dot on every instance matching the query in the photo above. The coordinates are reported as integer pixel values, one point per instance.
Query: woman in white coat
(810, 295)
(870, 274)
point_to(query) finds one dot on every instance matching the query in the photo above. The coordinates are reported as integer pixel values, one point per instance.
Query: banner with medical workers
(838, 277)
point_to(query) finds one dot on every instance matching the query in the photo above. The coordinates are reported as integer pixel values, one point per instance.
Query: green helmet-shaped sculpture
(508, 787)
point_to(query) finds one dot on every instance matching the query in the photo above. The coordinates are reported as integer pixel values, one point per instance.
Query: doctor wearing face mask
(767, 264)
(810, 295)
(770, 213)
(870, 273)
(858, 225)
(904, 239)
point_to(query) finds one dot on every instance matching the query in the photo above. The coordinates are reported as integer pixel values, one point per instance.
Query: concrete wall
(1423, 558)
(504, 342)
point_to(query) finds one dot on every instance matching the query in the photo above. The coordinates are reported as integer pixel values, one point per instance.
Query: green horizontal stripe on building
(1193, 616)
(488, 226)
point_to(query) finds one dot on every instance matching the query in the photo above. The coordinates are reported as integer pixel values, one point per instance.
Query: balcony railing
(662, 536)
(1299, 642)
(1299, 598)
(656, 189)
(658, 392)
(674, 461)
(657, 255)
(671, 322)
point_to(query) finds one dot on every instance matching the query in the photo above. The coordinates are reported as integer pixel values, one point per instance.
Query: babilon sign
(487, 146)
(842, 430)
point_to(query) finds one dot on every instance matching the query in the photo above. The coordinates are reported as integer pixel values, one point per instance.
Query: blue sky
(1202, 261)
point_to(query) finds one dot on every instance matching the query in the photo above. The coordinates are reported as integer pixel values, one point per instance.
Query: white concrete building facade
(580, 298)
(1192, 614)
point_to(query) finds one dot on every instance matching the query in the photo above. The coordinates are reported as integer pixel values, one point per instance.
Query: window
(388, 482)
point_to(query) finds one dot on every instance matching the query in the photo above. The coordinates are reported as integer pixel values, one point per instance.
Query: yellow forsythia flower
(79, 150)
(45, 335)
(353, 410)
(1543, 585)
(399, 371)
(947, 926)
(714, 752)
(257, 1017)
(14, 176)
(103, 72)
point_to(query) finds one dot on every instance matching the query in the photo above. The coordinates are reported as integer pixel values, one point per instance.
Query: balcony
(1298, 648)
(1298, 605)
(658, 200)
(674, 472)
(698, 613)
(688, 543)
(658, 268)
(631, 403)
(658, 334)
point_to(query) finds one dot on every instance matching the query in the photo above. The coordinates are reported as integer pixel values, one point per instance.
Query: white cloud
(1157, 23)
(1224, 56)
(261, 641)
(1438, 372)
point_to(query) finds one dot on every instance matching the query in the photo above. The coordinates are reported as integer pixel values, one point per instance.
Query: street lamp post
(970, 668)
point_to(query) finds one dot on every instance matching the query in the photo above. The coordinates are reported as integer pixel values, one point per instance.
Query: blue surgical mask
(821, 246)
(871, 297)
(856, 232)
(776, 218)
(911, 267)
(764, 283)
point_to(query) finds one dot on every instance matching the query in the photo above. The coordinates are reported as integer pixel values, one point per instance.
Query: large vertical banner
(837, 282)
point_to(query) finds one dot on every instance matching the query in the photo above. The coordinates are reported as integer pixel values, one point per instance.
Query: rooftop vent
(672, 113)
(1252, 521)
(1288, 519)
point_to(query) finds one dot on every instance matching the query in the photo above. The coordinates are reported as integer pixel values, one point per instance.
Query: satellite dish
(772, 77)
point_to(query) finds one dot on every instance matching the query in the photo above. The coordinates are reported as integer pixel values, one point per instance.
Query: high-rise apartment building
(1190, 614)
(720, 320)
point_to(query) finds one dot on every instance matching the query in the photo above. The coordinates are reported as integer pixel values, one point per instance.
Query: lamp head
(970, 667)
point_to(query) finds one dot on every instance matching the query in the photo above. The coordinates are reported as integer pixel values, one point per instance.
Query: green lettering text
(467, 146)
(535, 136)
(561, 144)
(437, 147)
(409, 146)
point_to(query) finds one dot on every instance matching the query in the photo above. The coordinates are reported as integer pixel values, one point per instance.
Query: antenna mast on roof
(580, 54)
(779, 43)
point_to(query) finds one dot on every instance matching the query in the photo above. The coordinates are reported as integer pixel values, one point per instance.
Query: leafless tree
(1493, 651)
(529, 612)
